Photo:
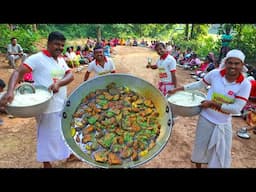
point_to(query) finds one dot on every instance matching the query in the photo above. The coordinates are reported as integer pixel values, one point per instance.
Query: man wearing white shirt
(50, 70)
(229, 92)
(101, 65)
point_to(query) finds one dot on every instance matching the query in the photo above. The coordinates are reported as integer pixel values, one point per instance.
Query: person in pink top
(194, 62)
(166, 65)
(229, 92)
(201, 71)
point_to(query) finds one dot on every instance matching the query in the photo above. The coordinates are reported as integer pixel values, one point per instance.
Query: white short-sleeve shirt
(165, 67)
(14, 49)
(108, 67)
(222, 91)
(46, 70)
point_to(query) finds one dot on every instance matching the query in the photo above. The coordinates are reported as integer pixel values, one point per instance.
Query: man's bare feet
(47, 164)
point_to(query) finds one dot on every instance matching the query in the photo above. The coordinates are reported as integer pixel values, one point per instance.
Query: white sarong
(50, 143)
(212, 144)
(220, 147)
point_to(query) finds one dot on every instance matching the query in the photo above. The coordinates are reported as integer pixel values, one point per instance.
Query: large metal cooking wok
(136, 84)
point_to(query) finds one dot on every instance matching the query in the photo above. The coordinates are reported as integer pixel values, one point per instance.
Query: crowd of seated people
(85, 55)
(194, 62)
(71, 58)
(135, 42)
(208, 64)
(249, 110)
(202, 70)
(176, 53)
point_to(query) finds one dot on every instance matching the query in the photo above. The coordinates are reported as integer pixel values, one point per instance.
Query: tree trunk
(34, 27)
(11, 27)
(239, 34)
(98, 33)
(140, 30)
(187, 32)
(192, 33)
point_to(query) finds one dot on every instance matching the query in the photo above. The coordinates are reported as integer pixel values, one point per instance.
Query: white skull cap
(236, 54)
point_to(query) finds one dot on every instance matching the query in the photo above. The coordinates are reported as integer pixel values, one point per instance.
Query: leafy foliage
(197, 34)
(245, 40)
(24, 34)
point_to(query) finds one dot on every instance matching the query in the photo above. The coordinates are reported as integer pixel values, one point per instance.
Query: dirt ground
(18, 135)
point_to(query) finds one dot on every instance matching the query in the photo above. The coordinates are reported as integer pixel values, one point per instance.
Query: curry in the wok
(115, 125)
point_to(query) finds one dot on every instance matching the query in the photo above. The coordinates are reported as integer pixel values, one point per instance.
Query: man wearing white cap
(229, 91)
